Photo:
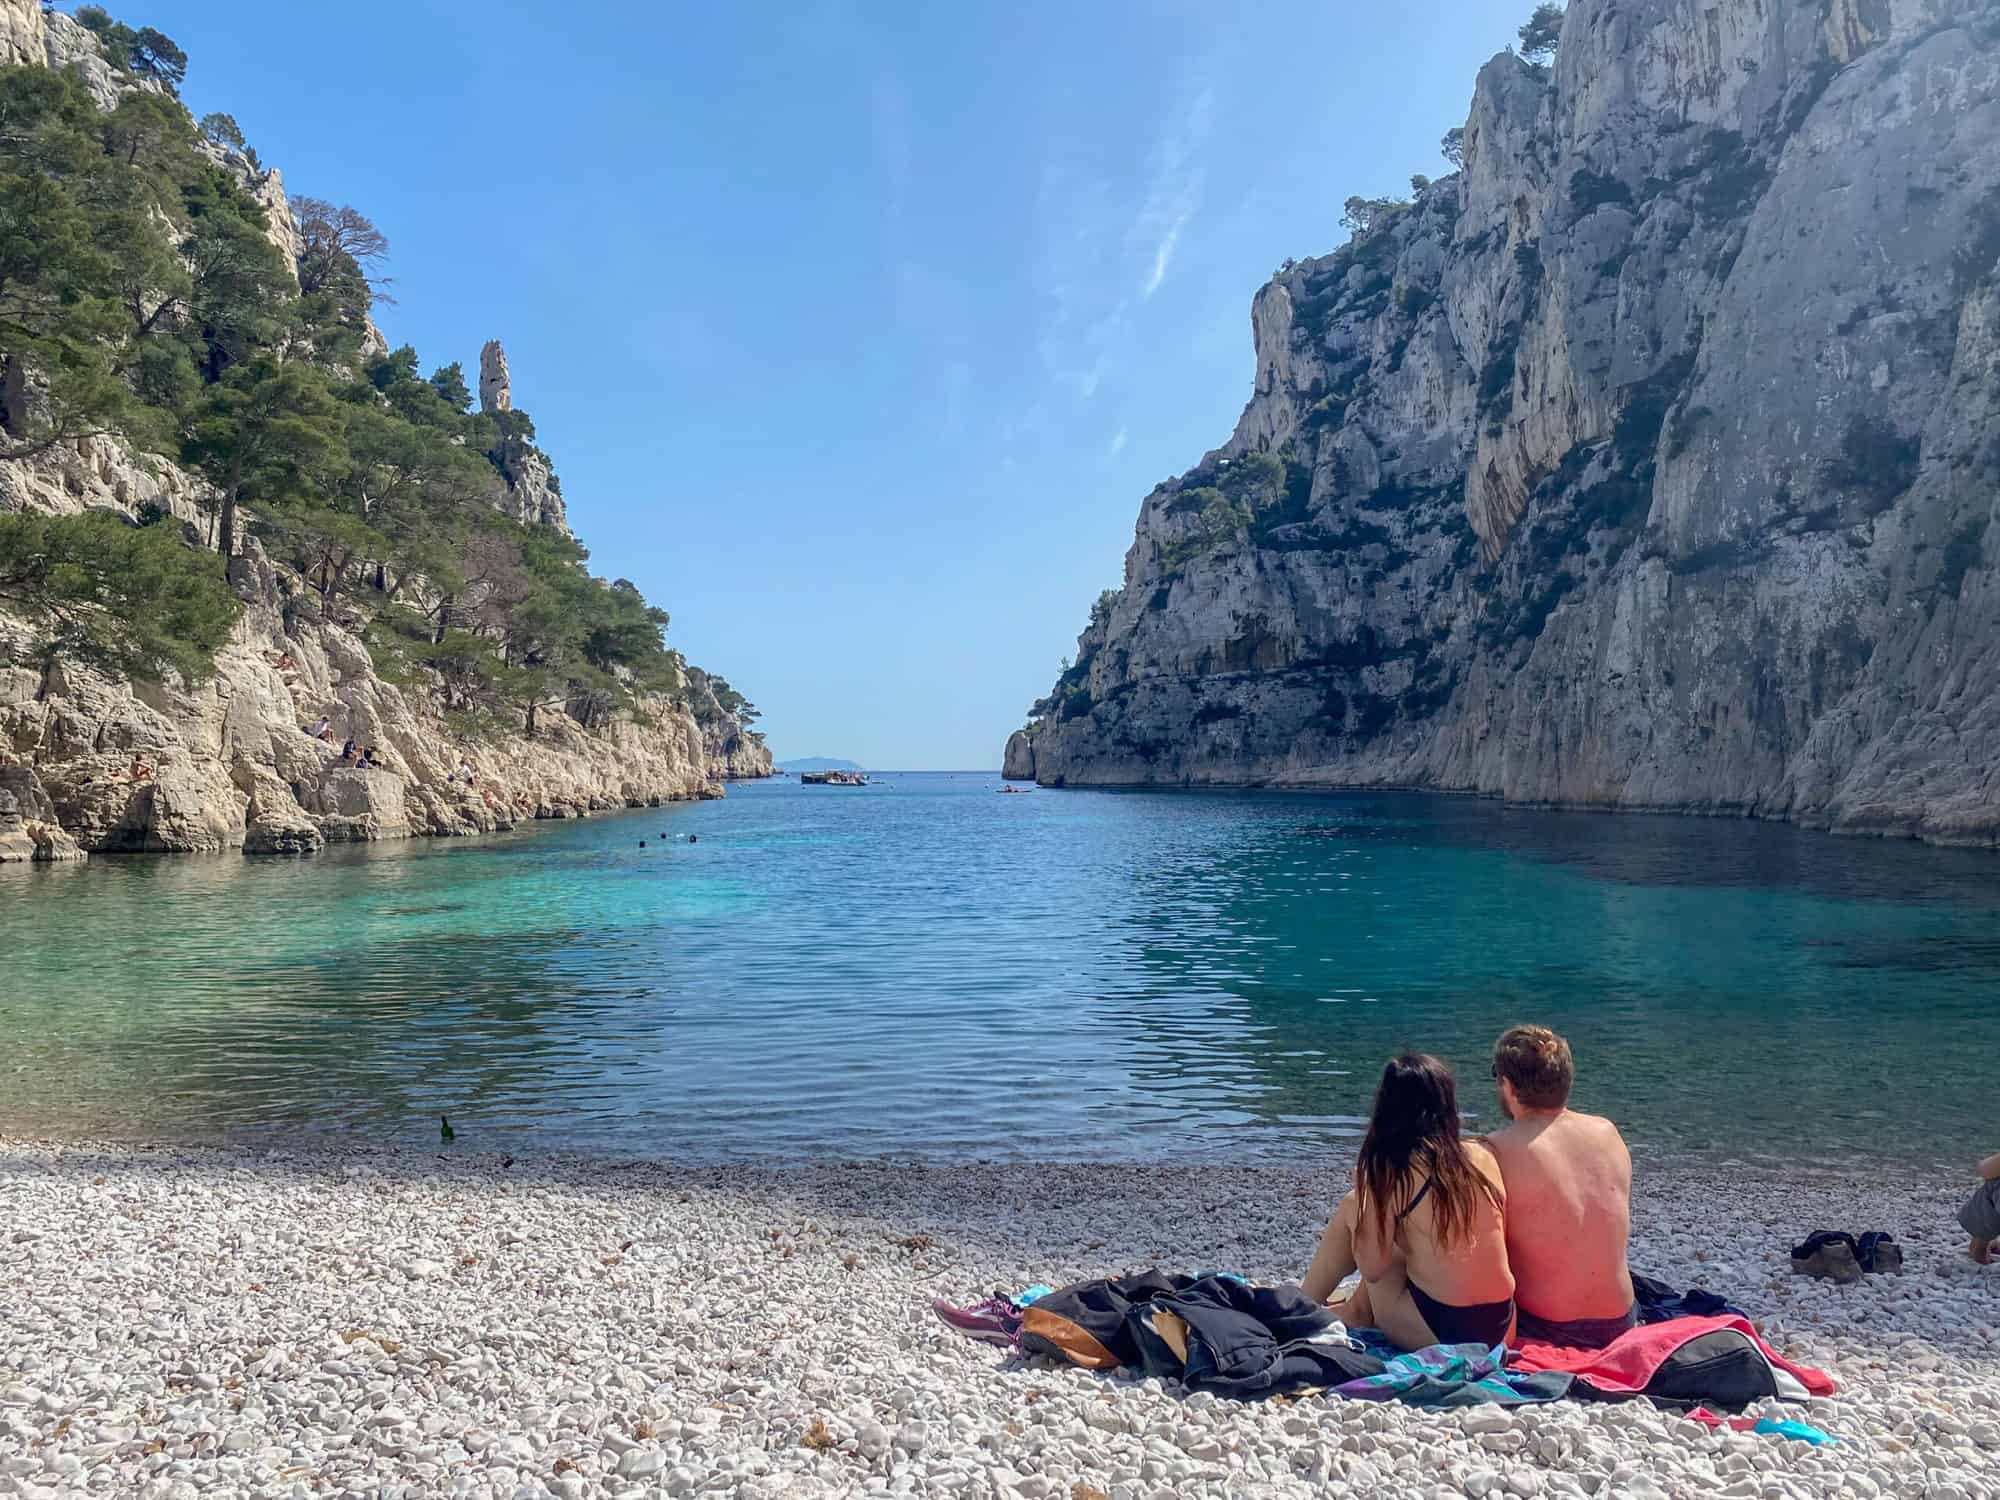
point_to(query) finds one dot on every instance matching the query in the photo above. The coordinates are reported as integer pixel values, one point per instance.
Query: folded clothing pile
(1211, 1333)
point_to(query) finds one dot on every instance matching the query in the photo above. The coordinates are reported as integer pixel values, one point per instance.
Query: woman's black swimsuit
(1485, 1324)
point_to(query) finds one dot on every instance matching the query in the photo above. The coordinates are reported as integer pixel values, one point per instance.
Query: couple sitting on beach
(1517, 1236)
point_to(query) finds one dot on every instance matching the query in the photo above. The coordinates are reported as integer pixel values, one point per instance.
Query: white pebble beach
(327, 1322)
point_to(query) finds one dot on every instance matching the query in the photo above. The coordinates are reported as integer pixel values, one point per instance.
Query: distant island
(817, 763)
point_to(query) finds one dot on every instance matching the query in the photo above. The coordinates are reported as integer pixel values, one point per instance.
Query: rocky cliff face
(731, 750)
(1017, 762)
(232, 762)
(1648, 462)
(532, 495)
(91, 763)
(496, 382)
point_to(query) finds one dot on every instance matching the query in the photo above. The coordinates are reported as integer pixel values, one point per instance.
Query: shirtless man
(1569, 1198)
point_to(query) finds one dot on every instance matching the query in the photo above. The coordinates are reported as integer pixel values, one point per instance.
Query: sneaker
(1828, 1255)
(994, 1321)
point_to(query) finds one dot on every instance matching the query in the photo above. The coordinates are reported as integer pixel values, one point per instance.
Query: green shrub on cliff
(145, 53)
(1541, 32)
(132, 599)
(220, 129)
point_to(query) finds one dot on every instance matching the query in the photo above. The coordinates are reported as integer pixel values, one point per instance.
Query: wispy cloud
(1161, 257)
(1175, 191)
(1118, 443)
(1098, 260)
(932, 304)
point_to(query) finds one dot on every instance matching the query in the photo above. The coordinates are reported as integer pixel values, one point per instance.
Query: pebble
(335, 1322)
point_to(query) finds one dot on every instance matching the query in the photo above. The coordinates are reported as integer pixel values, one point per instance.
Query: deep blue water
(923, 968)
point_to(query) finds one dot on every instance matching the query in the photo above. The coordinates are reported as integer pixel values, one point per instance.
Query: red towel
(1629, 1362)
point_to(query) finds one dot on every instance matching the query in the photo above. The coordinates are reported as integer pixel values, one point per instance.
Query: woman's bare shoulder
(1482, 1157)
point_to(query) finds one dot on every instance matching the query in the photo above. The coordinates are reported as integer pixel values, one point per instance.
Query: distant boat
(1013, 791)
(833, 778)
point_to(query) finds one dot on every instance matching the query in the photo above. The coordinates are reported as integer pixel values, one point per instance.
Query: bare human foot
(1981, 1251)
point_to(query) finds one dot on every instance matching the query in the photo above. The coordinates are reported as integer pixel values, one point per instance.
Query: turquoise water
(923, 968)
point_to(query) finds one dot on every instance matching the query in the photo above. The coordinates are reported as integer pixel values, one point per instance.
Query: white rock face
(496, 387)
(23, 36)
(730, 750)
(1018, 763)
(1645, 463)
(98, 474)
(234, 764)
(232, 758)
(532, 496)
(69, 47)
(210, 1322)
(28, 828)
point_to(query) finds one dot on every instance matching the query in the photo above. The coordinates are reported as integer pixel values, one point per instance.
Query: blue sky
(856, 331)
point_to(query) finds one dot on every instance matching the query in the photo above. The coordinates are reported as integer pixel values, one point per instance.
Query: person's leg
(1358, 1311)
(1333, 1261)
(1981, 1219)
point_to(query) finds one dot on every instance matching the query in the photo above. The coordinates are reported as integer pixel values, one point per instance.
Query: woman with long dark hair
(1425, 1223)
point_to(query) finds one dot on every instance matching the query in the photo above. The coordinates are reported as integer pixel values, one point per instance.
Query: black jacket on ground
(1212, 1334)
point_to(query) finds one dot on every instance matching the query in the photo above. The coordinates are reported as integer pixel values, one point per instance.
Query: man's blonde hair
(1538, 1063)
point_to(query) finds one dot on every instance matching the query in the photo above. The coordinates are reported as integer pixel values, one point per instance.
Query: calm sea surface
(923, 968)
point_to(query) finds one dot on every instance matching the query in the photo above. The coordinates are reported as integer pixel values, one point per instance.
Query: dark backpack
(1723, 1369)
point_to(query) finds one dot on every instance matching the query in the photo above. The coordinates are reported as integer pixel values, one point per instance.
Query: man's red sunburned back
(1569, 1215)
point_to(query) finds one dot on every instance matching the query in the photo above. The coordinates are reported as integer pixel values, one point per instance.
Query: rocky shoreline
(340, 1322)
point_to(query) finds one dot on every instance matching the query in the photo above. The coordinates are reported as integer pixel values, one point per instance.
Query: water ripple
(935, 971)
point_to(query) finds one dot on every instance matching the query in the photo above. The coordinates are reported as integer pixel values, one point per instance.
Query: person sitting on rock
(1425, 1223)
(368, 760)
(139, 770)
(1981, 1214)
(1569, 1197)
(324, 729)
(347, 750)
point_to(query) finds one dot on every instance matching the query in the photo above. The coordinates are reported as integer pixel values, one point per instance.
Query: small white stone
(641, 1463)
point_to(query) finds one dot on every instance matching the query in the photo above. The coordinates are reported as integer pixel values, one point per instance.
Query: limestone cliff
(1017, 762)
(232, 763)
(90, 763)
(733, 751)
(1648, 462)
(532, 495)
